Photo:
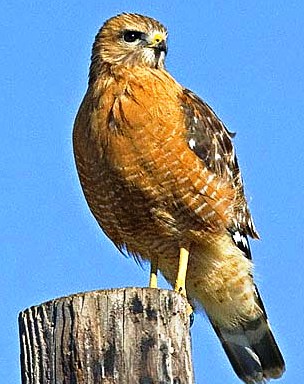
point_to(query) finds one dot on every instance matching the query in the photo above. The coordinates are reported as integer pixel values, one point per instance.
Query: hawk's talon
(189, 309)
(181, 291)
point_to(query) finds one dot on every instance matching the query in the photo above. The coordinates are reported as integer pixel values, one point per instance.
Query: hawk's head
(131, 40)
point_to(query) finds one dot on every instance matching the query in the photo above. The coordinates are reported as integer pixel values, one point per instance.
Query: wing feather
(211, 141)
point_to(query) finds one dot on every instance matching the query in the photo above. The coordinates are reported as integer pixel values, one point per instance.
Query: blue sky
(244, 58)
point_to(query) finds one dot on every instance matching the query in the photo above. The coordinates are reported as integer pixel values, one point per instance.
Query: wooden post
(117, 336)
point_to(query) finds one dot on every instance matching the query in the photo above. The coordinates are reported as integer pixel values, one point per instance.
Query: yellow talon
(189, 310)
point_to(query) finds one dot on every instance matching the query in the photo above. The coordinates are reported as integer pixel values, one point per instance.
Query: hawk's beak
(162, 46)
(159, 43)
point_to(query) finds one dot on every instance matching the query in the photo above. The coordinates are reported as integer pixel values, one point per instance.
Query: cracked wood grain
(117, 336)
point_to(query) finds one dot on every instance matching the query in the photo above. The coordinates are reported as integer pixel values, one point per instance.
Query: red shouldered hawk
(159, 172)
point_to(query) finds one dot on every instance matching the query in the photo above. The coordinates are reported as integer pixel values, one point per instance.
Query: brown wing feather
(211, 142)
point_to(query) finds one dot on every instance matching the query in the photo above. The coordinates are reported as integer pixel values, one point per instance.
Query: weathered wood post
(117, 336)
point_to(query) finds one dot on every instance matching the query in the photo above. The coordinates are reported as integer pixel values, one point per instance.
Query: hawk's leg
(180, 284)
(153, 273)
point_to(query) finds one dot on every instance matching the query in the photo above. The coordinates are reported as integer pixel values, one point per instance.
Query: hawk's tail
(252, 350)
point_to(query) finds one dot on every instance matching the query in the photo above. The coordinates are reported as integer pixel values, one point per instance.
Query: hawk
(160, 175)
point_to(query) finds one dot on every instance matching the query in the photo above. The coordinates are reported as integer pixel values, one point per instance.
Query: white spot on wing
(238, 238)
(192, 143)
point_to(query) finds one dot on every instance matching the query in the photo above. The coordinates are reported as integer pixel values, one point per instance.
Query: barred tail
(252, 349)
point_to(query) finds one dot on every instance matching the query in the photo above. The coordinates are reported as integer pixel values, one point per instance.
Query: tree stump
(121, 336)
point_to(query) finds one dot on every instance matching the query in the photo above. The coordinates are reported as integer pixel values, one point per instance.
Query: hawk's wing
(251, 347)
(211, 141)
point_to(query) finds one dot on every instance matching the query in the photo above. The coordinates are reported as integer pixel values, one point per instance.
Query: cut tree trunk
(121, 336)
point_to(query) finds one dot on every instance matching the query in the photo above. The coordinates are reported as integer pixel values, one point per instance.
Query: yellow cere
(158, 37)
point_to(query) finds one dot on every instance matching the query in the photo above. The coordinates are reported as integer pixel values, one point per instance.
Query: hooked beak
(159, 43)
(162, 46)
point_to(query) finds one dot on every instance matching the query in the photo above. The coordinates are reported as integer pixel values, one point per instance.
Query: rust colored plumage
(159, 172)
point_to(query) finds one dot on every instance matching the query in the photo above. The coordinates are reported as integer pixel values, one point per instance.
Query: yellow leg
(153, 273)
(180, 284)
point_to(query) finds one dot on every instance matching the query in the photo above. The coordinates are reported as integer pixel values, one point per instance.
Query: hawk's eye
(131, 36)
